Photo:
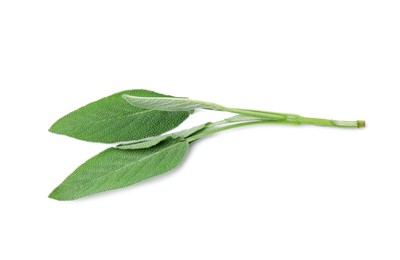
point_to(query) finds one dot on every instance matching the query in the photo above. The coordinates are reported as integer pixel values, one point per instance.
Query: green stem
(296, 119)
(331, 123)
(211, 130)
(259, 114)
(292, 118)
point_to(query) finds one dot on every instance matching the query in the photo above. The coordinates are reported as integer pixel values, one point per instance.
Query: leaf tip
(53, 195)
(57, 126)
(56, 195)
(52, 129)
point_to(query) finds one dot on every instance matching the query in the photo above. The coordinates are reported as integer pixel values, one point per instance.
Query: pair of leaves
(140, 119)
(138, 115)
(112, 119)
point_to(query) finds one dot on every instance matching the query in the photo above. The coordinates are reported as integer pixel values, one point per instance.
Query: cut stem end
(361, 123)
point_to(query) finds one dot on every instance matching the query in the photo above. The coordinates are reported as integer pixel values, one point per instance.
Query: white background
(263, 192)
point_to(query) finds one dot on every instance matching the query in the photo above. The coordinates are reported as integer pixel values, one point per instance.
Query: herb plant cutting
(137, 120)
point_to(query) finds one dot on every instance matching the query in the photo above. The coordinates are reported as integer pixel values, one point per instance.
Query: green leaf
(144, 143)
(169, 104)
(152, 141)
(112, 119)
(116, 168)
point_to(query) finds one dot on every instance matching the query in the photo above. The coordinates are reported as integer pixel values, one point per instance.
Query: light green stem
(331, 123)
(211, 130)
(296, 119)
(260, 114)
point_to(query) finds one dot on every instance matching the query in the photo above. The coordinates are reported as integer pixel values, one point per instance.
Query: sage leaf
(169, 104)
(144, 143)
(152, 141)
(112, 119)
(116, 168)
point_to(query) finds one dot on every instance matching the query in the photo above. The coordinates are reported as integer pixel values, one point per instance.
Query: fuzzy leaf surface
(112, 119)
(152, 141)
(169, 104)
(116, 168)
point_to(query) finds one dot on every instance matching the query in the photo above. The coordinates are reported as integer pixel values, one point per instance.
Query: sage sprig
(137, 120)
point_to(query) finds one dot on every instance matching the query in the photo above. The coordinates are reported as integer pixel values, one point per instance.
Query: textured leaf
(144, 143)
(116, 168)
(152, 141)
(112, 119)
(169, 104)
